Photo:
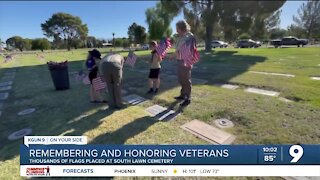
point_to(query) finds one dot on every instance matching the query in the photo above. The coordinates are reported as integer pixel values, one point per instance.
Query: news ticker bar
(172, 170)
(170, 155)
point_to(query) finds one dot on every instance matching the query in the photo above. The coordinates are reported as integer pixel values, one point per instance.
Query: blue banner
(169, 154)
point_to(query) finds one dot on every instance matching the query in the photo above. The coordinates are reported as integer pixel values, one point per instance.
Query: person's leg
(186, 78)
(150, 81)
(117, 77)
(107, 67)
(99, 96)
(180, 79)
(187, 81)
(157, 85)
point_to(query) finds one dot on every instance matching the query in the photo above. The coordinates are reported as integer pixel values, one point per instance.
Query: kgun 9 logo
(296, 151)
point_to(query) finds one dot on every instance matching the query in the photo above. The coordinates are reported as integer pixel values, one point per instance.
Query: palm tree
(113, 39)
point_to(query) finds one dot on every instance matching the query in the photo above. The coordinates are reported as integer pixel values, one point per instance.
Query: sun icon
(175, 171)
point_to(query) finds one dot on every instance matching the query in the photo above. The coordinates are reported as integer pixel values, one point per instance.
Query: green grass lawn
(258, 119)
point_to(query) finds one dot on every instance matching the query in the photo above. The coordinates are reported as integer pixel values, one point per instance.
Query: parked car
(289, 41)
(220, 44)
(248, 43)
(145, 46)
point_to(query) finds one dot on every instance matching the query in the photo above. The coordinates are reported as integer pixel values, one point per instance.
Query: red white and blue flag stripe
(189, 53)
(131, 59)
(163, 47)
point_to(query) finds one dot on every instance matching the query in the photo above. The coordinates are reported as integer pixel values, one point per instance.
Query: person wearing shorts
(154, 80)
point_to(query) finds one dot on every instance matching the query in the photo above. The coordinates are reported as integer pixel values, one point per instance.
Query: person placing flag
(111, 67)
(186, 54)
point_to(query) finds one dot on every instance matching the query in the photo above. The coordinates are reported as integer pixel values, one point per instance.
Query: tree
(40, 44)
(118, 42)
(91, 42)
(235, 17)
(27, 44)
(125, 42)
(137, 34)
(297, 31)
(16, 42)
(63, 26)
(244, 36)
(277, 33)
(309, 18)
(159, 20)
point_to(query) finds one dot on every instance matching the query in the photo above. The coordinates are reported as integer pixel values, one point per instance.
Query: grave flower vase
(59, 74)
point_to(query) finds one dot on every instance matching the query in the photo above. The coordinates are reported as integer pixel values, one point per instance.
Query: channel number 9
(295, 151)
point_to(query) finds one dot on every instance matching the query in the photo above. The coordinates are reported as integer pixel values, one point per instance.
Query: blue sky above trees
(102, 17)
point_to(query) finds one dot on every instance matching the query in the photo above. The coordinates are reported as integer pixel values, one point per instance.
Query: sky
(23, 18)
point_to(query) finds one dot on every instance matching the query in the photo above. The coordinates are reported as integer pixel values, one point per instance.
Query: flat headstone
(167, 115)
(285, 100)
(229, 86)
(4, 96)
(223, 123)
(274, 74)
(162, 113)
(155, 110)
(6, 83)
(206, 53)
(134, 99)
(208, 133)
(263, 92)
(198, 81)
(5, 88)
(103, 108)
(26, 111)
(20, 134)
(315, 78)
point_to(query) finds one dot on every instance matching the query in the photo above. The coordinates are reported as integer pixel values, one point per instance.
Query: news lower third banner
(71, 156)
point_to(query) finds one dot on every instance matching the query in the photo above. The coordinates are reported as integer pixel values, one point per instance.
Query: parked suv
(289, 41)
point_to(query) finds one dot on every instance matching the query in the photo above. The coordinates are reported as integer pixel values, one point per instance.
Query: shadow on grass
(222, 66)
(126, 132)
(55, 109)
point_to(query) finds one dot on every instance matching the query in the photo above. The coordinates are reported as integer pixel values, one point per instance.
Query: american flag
(189, 53)
(131, 59)
(163, 47)
(98, 84)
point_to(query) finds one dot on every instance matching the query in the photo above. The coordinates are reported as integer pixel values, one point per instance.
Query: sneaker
(150, 91)
(155, 91)
(179, 98)
(186, 102)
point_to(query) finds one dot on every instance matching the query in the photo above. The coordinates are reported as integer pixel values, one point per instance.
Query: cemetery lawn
(258, 119)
